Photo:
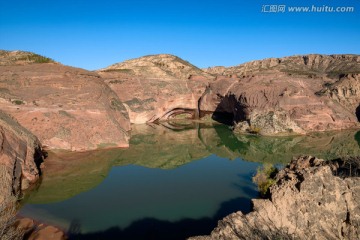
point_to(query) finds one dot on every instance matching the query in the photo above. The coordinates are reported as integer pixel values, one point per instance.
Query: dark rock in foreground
(312, 199)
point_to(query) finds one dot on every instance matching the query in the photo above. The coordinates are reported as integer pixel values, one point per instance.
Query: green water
(171, 183)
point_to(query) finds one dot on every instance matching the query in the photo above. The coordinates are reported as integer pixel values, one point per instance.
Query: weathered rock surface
(297, 94)
(157, 87)
(310, 65)
(345, 91)
(311, 199)
(161, 66)
(21, 58)
(20, 159)
(65, 107)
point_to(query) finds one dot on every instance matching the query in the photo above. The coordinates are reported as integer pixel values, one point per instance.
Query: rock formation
(20, 156)
(291, 95)
(65, 107)
(297, 94)
(160, 66)
(309, 65)
(20, 159)
(311, 199)
(157, 87)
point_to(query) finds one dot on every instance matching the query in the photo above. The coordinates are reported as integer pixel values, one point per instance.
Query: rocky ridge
(63, 106)
(297, 94)
(22, 58)
(310, 65)
(311, 199)
(162, 66)
(158, 87)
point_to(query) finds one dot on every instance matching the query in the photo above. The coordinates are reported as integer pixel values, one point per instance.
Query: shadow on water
(151, 228)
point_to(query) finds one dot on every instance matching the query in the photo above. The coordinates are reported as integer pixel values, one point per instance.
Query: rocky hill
(157, 87)
(62, 105)
(331, 66)
(296, 94)
(22, 58)
(161, 66)
(290, 95)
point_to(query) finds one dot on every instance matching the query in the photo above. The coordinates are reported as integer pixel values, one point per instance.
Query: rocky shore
(46, 105)
(311, 199)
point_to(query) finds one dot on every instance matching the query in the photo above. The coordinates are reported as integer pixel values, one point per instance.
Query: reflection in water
(156, 189)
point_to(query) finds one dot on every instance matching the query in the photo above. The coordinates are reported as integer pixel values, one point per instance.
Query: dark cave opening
(357, 112)
(230, 111)
(226, 118)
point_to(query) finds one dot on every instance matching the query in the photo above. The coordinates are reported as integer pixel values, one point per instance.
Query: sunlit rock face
(157, 87)
(65, 107)
(282, 96)
(296, 94)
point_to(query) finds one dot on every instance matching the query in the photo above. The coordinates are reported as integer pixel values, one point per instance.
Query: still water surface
(171, 183)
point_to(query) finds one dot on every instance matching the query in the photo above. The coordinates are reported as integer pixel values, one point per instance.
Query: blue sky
(94, 34)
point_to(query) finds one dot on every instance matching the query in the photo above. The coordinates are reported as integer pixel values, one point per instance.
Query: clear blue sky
(94, 34)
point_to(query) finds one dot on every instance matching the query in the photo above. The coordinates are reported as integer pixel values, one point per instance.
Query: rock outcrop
(21, 58)
(297, 94)
(311, 199)
(20, 159)
(20, 156)
(346, 92)
(65, 107)
(309, 65)
(160, 66)
(158, 87)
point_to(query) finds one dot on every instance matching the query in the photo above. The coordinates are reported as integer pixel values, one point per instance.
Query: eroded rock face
(297, 94)
(346, 92)
(20, 159)
(157, 87)
(160, 66)
(20, 156)
(309, 65)
(65, 107)
(311, 199)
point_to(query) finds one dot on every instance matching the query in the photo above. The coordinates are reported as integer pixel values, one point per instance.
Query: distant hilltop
(170, 66)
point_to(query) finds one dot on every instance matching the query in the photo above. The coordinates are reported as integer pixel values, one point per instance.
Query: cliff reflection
(172, 145)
